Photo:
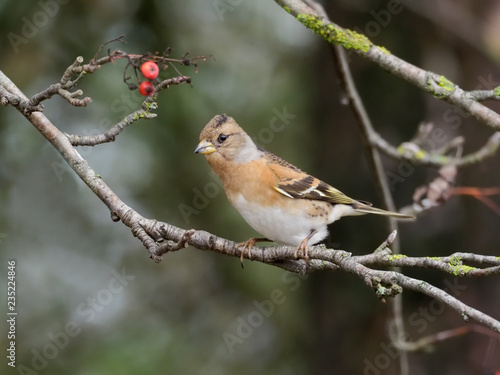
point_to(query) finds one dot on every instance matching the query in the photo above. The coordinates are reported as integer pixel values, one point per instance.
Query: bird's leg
(248, 244)
(303, 245)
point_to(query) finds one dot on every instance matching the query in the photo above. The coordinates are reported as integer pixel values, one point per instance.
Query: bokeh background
(89, 299)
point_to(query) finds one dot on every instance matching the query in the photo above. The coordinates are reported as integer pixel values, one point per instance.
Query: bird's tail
(366, 209)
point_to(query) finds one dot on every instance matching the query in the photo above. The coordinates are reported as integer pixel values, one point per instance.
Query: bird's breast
(250, 189)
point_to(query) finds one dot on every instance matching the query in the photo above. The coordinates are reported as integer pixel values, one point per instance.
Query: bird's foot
(247, 246)
(302, 248)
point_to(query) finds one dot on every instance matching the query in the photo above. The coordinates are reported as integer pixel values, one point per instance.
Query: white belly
(278, 225)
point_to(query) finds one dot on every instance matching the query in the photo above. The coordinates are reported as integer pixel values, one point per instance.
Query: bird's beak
(205, 148)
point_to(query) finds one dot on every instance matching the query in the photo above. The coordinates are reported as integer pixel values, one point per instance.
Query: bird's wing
(296, 184)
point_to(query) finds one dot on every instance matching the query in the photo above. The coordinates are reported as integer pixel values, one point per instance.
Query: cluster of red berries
(150, 71)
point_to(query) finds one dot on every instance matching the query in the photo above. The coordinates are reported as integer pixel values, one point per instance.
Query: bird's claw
(303, 249)
(247, 245)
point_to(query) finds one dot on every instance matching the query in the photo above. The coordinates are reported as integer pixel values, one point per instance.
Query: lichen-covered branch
(419, 156)
(385, 283)
(458, 264)
(437, 85)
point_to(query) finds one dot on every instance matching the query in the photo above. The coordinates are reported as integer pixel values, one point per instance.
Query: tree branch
(377, 168)
(419, 156)
(312, 15)
(143, 113)
(160, 238)
(437, 85)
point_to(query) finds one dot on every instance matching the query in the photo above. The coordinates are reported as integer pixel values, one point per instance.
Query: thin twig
(375, 161)
(143, 113)
(418, 156)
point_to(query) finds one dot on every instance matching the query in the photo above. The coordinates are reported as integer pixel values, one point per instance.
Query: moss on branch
(333, 34)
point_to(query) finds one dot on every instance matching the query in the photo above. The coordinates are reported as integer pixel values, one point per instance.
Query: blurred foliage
(199, 312)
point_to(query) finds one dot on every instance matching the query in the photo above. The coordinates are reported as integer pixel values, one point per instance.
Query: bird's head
(223, 139)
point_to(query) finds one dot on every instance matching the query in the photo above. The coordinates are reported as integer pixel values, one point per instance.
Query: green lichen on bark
(394, 257)
(446, 84)
(458, 268)
(440, 86)
(435, 258)
(344, 37)
(384, 50)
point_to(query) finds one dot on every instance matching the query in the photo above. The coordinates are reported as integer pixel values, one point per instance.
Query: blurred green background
(89, 299)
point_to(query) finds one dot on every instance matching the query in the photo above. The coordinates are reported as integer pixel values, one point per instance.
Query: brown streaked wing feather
(312, 188)
(302, 185)
(333, 195)
(300, 188)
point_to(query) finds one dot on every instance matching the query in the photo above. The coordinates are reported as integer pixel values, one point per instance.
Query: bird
(277, 199)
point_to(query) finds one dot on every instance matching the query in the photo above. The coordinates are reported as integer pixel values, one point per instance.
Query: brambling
(277, 199)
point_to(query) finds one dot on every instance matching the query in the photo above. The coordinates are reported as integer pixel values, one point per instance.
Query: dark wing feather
(304, 186)
(310, 187)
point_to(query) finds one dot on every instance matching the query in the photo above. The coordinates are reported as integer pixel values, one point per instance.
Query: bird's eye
(222, 138)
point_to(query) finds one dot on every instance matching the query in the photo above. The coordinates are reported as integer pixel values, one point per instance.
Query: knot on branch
(148, 105)
(385, 286)
(387, 291)
(439, 86)
(170, 245)
(26, 107)
(71, 97)
(72, 69)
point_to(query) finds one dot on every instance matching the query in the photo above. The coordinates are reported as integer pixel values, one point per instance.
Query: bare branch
(483, 95)
(110, 135)
(418, 156)
(144, 113)
(426, 343)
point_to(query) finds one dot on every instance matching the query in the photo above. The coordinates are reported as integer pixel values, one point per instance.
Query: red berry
(150, 70)
(146, 88)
